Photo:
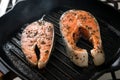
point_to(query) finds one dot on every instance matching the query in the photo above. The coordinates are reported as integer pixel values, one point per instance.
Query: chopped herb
(94, 31)
(97, 37)
(43, 42)
(100, 51)
(49, 29)
(39, 22)
(76, 58)
(31, 33)
(70, 20)
(47, 51)
(80, 58)
(89, 27)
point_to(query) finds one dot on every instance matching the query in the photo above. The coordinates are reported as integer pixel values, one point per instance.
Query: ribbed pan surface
(59, 66)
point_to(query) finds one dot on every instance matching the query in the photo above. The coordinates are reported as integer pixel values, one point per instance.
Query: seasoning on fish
(37, 42)
(78, 23)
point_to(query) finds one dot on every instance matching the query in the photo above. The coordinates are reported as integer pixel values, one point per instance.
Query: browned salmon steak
(38, 35)
(78, 23)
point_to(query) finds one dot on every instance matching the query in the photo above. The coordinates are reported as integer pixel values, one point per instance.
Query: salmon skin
(78, 23)
(38, 35)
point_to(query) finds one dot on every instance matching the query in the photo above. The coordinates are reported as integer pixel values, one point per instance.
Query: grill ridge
(59, 61)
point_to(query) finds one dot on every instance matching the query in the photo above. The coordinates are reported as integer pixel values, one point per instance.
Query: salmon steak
(75, 24)
(37, 42)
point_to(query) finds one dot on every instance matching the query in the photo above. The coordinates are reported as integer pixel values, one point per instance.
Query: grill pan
(59, 66)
